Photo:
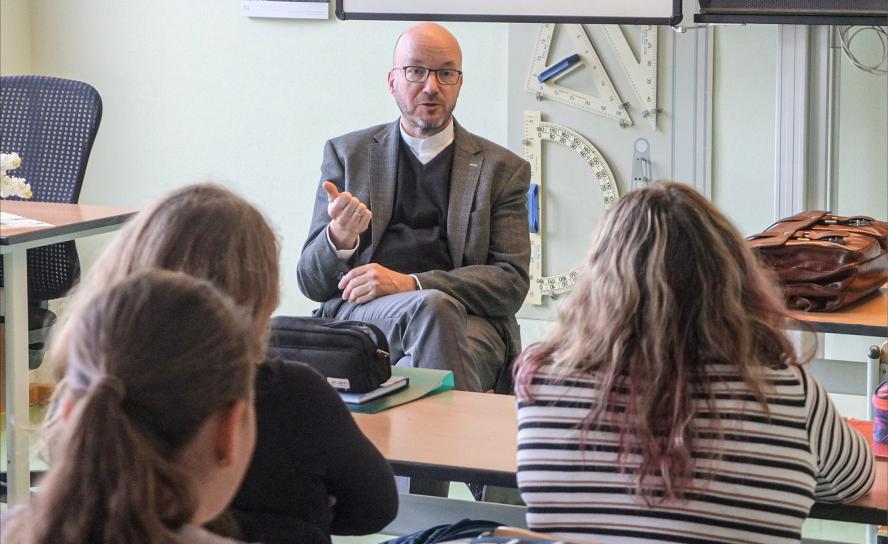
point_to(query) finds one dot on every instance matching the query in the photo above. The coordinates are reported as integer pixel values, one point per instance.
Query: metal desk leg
(17, 456)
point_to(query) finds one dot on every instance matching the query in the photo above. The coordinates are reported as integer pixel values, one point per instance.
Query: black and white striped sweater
(770, 473)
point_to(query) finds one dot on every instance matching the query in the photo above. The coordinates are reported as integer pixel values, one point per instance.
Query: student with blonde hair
(667, 403)
(158, 417)
(313, 473)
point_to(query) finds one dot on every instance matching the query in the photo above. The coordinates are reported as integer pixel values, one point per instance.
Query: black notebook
(395, 383)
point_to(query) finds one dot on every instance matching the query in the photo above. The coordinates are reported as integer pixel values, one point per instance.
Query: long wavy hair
(667, 288)
(150, 359)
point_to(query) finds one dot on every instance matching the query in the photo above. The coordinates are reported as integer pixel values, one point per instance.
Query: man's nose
(430, 85)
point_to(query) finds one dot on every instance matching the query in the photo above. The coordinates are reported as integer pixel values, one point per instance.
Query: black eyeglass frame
(428, 73)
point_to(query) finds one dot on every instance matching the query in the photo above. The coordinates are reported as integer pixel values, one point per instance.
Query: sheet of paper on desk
(12, 221)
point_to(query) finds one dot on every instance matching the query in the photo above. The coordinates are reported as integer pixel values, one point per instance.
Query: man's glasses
(418, 74)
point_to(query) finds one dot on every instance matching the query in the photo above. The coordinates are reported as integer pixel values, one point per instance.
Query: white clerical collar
(426, 149)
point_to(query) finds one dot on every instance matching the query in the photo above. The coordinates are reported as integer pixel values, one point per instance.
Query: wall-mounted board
(641, 12)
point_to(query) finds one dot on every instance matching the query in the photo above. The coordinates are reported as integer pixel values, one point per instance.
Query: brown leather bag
(825, 261)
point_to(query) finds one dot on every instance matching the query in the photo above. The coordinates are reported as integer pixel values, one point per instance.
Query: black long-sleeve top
(309, 449)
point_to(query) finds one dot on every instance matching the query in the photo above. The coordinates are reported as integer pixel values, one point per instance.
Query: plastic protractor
(535, 132)
(590, 155)
(607, 104)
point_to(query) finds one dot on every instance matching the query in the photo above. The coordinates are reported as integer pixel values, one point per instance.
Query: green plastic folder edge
(423, 382)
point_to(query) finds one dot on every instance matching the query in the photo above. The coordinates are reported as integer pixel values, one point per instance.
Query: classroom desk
(68, 221)
(867, 317)
(454, 435)
(465, 436)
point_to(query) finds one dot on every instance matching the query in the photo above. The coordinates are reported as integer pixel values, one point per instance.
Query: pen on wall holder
(561, 66)
(533, 208)
(547, 81)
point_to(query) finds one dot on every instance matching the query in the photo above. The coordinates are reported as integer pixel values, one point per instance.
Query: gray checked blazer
(487, 229)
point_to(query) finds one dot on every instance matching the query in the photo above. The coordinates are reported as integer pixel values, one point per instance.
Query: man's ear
(391, 81)
(229, 422)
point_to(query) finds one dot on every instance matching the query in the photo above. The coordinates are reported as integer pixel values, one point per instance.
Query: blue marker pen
(558, 67)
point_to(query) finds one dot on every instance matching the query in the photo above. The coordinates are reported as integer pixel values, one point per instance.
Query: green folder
(423, 382)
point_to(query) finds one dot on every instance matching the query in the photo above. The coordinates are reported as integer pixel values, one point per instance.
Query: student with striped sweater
(667, 404)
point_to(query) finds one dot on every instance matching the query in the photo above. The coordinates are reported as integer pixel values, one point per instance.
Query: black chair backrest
(51, 123)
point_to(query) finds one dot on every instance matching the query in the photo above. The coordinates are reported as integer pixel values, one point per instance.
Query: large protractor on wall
(535, 132)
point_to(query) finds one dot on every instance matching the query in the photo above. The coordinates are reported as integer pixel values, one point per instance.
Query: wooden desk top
(468, 436)
(868, 317)
(64, 218)
(871, 508)
(473, 437)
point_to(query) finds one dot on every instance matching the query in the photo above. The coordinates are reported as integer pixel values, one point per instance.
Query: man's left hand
(371, 281)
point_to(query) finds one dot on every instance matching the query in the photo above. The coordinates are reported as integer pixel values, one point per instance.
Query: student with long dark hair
(667, 403)
(158, 417)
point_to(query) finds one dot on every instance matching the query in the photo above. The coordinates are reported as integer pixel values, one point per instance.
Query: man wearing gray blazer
(420, 227)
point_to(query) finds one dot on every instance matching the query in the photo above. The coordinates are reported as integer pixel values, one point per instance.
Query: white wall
(862, 180)
(15, 37)
(193, 90)
(743, 116)
(744, 110)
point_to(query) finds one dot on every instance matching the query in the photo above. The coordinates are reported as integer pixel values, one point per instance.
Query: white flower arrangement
(9, 185)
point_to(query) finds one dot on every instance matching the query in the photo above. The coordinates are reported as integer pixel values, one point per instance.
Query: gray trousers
(431, 329)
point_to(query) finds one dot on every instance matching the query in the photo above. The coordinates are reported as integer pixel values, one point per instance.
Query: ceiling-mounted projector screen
(642, 12)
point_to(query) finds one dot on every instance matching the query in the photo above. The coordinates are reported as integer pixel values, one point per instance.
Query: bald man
(420, 227)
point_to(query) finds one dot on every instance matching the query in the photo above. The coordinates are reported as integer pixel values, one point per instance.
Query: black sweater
(309, 449)
(416, 237)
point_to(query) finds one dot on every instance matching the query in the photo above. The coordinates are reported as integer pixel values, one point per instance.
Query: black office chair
(51, 123)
